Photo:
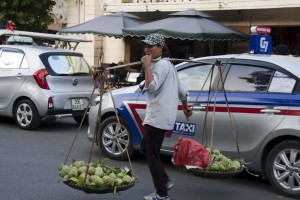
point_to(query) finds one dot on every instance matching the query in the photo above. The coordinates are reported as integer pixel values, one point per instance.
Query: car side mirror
(142, 85)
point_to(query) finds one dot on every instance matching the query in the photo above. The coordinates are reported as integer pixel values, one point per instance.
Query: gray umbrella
(188, 24)
(106, 25)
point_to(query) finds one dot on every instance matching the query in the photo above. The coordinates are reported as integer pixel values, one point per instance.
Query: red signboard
(261, 29)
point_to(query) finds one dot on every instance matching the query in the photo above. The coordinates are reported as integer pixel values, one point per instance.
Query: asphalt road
(29, 163)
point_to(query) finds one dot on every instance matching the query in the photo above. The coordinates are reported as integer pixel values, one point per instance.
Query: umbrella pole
(211, 47)
(101, 56)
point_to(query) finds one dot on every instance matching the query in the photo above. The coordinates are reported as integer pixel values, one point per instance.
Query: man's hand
(146, 60)
(187, 112)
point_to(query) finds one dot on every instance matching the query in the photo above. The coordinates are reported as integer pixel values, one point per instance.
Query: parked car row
(255, 116)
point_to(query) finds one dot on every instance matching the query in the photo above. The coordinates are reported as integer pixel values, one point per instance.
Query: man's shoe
(169, 185)
(156, 197)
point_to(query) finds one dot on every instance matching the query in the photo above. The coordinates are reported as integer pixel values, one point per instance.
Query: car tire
(114, 145)
(26, 115)
(283, 168)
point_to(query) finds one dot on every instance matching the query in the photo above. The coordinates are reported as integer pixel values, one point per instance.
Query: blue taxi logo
(264, 44)
(184, 128)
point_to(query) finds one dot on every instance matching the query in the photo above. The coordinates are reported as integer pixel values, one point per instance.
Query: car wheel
(26, 115)
(283, 168)
(113, 138)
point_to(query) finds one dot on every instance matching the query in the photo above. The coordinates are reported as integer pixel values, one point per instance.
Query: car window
(282, 83)
(11, 60)
(24, 64)
(196, 77)
(67, 64)
(248, 78)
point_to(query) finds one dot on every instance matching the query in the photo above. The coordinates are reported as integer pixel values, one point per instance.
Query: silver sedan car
(247, 106)
(43, 83)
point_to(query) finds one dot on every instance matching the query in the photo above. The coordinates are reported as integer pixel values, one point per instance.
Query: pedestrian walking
(163, 89)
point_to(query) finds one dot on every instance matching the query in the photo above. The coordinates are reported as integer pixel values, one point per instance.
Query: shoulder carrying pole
(170, 59)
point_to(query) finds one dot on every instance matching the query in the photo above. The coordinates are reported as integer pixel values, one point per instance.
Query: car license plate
(77, 104)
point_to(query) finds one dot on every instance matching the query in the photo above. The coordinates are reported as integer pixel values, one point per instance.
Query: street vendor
(163, 89)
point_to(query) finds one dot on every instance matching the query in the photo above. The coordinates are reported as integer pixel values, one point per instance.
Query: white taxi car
(254, 116)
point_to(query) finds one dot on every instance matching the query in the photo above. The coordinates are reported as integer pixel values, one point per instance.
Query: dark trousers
(150, 146)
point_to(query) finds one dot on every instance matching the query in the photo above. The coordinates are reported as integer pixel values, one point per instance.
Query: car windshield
(68, 64)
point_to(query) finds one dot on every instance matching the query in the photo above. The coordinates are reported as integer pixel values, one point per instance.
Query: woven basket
(215, 174)
(90, 190)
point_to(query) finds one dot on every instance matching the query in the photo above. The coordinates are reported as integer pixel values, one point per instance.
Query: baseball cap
(154, 39)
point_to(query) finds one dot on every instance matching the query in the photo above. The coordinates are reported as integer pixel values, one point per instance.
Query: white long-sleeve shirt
(163, 94)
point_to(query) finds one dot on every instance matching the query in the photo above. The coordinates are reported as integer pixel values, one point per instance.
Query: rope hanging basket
(215, 174)
(99, 190)
(204, 162)
(219, 165)
(96, 177)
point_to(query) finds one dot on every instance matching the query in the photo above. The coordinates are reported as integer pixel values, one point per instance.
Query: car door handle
(199, 108)
(270, 111)
(19, 75)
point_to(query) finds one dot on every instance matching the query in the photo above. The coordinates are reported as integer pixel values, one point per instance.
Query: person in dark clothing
(118, 75)
(282, 49)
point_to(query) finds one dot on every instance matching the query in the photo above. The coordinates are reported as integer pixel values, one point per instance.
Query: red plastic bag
(190, 152)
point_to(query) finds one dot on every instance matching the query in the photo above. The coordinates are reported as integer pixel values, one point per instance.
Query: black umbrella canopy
(188, 24)
(107, 25)
(192, 13)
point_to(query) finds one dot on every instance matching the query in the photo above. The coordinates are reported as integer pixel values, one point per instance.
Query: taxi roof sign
(260, 29)
(48, 39)
(20, 39)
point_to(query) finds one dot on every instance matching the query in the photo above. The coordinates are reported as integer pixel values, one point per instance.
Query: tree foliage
(27, 15)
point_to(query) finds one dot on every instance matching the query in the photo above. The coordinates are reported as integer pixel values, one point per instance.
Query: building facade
(282, 16)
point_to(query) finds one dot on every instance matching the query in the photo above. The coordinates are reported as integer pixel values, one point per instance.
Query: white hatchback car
(43, 83)
(256, 117)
